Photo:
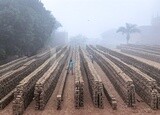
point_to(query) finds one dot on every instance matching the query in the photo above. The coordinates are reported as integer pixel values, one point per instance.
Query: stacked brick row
(112, 100)
(146, 87)
(144, 67)
(11, 63)
(145, 47)
(9, 81)
(24, 92)
(20, 62)
(62, 80)
(94, 81)
(12, 78)
(138, 48)
(122, 82)
(79, 83)
(13, 66)
(46, 84)
(60, 93)
(6, 100)
(110, 97)
(149, 56)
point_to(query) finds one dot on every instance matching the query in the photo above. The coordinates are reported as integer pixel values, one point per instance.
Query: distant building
(150, 34)
(156, 21)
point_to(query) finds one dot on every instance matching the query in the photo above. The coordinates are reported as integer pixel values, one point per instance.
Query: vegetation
(78, 40)
(25, 27)
(128, 30)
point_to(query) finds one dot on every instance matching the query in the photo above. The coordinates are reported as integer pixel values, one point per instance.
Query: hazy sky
(93, 17)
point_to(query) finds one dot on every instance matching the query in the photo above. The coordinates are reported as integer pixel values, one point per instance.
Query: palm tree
(128, 30)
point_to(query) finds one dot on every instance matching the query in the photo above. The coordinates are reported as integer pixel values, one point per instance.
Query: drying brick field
(122, 81)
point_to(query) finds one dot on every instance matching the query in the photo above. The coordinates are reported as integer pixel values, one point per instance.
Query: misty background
(30, 26)
(94, 18)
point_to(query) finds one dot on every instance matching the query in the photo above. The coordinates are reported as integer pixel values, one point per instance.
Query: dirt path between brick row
(7, 110)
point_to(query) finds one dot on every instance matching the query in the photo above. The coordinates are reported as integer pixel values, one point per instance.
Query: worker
(71, 64)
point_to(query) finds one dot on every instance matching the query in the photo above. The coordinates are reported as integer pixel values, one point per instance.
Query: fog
(92, 17)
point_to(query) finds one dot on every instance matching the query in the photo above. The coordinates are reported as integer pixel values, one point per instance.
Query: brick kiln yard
(116, 83)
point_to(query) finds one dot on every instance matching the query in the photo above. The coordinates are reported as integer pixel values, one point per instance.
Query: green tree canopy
(25, 26)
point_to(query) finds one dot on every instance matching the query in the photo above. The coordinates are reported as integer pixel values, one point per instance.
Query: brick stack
(46, 84)
(149, 56)
(24, 92)
(43, 91)
(61, 90)
(146, 86)
(122, 83)
(137, 48)
(9, 81)
(144, 47)
(144, 67)
(12, 78)
(6, 100)
(11, 63)
(62, 80)
(63, 49)
(110, 97)
(94, 81)
(13, 66)
(79, 83)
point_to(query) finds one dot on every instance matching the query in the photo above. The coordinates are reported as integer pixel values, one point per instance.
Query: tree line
(25, 27)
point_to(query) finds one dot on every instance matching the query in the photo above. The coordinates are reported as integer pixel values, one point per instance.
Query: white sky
(93, 17)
